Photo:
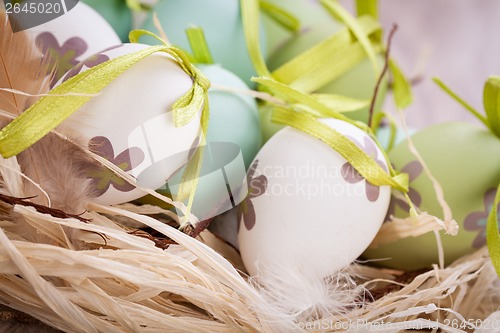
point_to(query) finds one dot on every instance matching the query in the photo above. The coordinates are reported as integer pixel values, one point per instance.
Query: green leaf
(281, 16)
(457, 98)
(491, 101)
(403, 96)
(492, 235)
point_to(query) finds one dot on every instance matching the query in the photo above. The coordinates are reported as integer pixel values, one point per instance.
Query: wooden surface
(12, 321)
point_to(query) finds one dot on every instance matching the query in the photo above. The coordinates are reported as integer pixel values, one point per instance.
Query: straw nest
(129, 269)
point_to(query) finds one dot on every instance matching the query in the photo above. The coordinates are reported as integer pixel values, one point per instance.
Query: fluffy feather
(55, 164)
(21, 68)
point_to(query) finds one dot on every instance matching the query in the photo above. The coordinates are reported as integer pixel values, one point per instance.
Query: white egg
(130, 123)
(74, 36)
(307, 207)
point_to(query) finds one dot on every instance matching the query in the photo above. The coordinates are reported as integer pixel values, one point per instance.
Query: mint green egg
(465, 159)
(117, 13)
(234, 117)
(222, 24)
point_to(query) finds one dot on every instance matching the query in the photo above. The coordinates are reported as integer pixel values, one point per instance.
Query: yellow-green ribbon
(492, 234)
(342, 14)
(199, 46)
(185, 108)
(327, 60)
(250, 13)
(281, 16)
(367, 7)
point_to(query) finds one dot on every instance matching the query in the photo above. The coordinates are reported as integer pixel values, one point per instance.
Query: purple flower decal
(477, 220)
(90, 62)
(352, 176)
(256, 187)
(414, 170)
(62, 58)
(103, 178)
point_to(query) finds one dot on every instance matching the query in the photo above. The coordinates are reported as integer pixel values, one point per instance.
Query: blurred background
(457, 41)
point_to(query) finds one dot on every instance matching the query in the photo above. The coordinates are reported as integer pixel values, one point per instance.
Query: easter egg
(307, 206)
(117, 13)
(130, 124)
(234, 116)
(465, 159)
(221, 23)
(219, 181)
(72, 37)
(233, 140)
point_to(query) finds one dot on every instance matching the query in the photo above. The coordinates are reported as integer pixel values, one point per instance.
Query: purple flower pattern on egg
(90, 62)
(352, 176)
(414, 170)
(62, 58)
(476, 221)
(256, 187)
(102, 178)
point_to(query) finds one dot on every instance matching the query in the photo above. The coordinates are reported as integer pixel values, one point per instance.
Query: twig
(41, 208)
(382, 74)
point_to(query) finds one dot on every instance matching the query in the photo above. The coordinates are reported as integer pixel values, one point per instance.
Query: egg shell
(307, 206)
(220, 181)
(116, 13)
(73, 37)
(130, 123)
(359, 82)
(465, 159)
(221, 23)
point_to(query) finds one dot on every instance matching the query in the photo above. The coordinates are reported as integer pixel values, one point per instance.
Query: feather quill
(56, 165)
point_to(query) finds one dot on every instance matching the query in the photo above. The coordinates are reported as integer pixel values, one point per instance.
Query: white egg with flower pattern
(307, 207)
(72, 37)
(130, 123)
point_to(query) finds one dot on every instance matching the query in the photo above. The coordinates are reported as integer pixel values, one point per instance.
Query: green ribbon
(250, 13)
(367, 7)
(492, 234)
(199, 46)
(327, 60)
(343, 15)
